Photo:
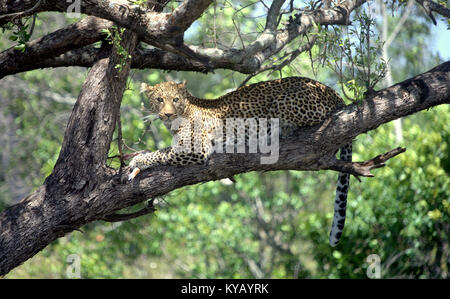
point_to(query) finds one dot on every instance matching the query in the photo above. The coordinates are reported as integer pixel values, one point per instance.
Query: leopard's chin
(166, 118)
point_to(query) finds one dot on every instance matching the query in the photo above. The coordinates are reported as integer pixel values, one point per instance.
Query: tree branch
(430, 6)
(364, 168)
(88, 56)
(276, 67)
(124, 217)
(80, 34)
(165, 30)
(271, 41)
(185, 14)
(81, 189)
(79, 169)
(19, 13)
(272, 15)
(158, 29)
(399, 24)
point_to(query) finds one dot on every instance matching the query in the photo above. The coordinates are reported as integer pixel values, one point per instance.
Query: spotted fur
(295, 101)
(340, 202)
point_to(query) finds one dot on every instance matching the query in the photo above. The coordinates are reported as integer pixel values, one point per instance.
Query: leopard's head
(167, 99)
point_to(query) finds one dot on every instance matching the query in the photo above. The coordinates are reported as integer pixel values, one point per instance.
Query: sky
(440, 32)
(442, 39)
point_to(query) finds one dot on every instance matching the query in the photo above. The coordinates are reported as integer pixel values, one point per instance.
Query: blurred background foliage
(271, 225)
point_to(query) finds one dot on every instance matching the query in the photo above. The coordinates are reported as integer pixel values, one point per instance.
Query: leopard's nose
(168, 115)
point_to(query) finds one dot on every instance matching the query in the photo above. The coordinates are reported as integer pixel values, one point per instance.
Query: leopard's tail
(340, 202)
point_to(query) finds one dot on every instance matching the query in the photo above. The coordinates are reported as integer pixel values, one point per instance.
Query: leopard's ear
(183, 84)
(146, 88)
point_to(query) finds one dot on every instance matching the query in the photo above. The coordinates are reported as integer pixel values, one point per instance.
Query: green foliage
(353, 55)
(114, 37)
(402, 215)
(266, 224)
(412, 49)
(138, 2)
(20, 31)
(213, 230)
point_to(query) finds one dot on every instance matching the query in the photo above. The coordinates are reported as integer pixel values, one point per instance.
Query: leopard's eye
(160, 100)
(175, 100)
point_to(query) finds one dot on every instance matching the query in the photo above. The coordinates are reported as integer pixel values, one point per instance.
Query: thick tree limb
(64, 48)
(61, 48)
(38, 51)
(158, 29)
(88, 56)
(185, 14)
(147, 23)
(165, 30)
(87, 137)
(431, 6)
(117, 11)
(272, 41)
(81, 189)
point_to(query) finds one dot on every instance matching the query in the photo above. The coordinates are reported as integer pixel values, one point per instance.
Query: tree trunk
(61, 203)
(81, 189)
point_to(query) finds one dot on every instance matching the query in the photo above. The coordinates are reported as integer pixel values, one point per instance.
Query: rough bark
(162, 30)
(165, 31)
(80, 168)
(78, 35)
(81, 189)
(431, 6)
(87, 56)
(150, 25)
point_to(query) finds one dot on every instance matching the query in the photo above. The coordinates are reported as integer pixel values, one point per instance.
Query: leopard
(294, 101)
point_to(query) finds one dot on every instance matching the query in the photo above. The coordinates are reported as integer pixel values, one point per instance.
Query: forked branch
(364, 168)
(81, 190)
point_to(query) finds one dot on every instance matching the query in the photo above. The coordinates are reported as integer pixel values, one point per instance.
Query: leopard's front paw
(134, 173)
(134, 168)
(140, 162)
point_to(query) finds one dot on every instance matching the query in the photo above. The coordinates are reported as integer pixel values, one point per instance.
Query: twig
(214, 24)
(123, 217)
(430, 6)
(120, 140)
(238, 32)
(32, 25)
(364, 168)
(16, 14)
(400, 23)
(278, 67)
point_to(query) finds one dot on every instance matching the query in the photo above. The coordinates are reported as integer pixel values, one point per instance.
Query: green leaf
(20, 47)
